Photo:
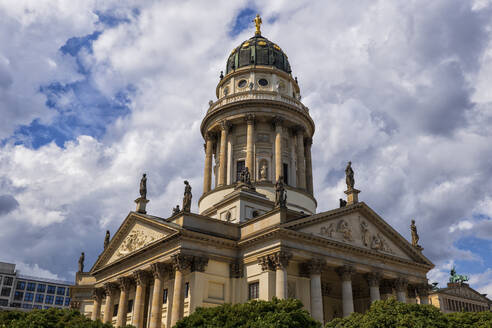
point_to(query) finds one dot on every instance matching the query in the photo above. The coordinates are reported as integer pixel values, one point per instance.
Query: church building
(256, 233)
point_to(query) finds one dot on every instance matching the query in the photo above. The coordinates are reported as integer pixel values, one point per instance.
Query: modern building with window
(256, 233)
(19, 291)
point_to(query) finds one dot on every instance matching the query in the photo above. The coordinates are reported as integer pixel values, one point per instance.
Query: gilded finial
(257, 22)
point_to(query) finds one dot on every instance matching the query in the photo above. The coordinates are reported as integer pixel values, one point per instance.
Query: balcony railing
(257, 95)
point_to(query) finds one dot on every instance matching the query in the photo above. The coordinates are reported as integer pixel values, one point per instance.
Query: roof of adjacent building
(258, 50)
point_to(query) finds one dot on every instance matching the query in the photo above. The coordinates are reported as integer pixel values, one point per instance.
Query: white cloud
(398, 90)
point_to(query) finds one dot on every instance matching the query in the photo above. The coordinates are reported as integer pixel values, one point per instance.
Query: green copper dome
(258, 51)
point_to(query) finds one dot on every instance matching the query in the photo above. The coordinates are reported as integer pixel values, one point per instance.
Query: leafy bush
(254, 314)
(50, 318)
(391, 314)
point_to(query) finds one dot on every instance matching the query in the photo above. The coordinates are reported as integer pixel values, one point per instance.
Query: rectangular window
(38, 307)
(187, 289)
(115, 310)
(286, 173)
(240, 165)
(21, 285)
(4, 302)
(164, 296)
(27, 306)
(5, 291)
(29, 297)
(68, 292)
(18, 296)
(130, 306)
(41, 288)
(46, 307)
(51, 289)
(60, 291)
(67, 301)
(1, 279)
(59, 300)
(39, 298)
(254, 290)
(48, 299)
(16, 305)
(31, 286)
(7, 281)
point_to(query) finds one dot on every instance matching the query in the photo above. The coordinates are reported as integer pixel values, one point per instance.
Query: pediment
(134, 234)
(466, 292)
(361, 227)
(356, 230)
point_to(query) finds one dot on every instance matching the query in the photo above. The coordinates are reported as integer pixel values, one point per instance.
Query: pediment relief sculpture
(138, 237)
(345, 229)
(379, 243)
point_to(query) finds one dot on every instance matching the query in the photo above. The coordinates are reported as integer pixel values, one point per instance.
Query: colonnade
(155, 277)
(313, 268)
(304, 175)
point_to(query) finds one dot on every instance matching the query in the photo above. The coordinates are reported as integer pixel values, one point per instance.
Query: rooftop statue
(349, 176)
(81, 262)
(258, 23)
(457, 278)
(415, 235)
(187, 197)
(280, 194)
(176, 210)
(106, 239)
(143, 186)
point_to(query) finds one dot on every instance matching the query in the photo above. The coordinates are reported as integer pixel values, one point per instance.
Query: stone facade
(240, 245)
(457, 297)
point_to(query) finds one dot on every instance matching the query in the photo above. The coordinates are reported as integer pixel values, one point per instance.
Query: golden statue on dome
(257, 22)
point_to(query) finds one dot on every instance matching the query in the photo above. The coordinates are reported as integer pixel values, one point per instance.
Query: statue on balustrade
(106, 239)
(143, 186)
(280, 193)
(81, 262)
(187, 197)
(349, 176)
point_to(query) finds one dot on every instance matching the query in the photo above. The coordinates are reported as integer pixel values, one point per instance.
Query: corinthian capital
(280, 260)
(110, 288)
(199, 263)
(373, 279)
(249, 118)
(141, 277)
(182, 262)
(345, 272)
(225, 125)
(401, 284)
(98, 294)
(159, 269)
(277, 121)
(125, 283)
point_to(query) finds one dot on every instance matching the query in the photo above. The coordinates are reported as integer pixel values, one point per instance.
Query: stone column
(301, 165)
(345, 274)
(315, 267)
(180, 264)
(250, 158)
(207, 174)
(309, 165)
(141, 278)
(159, 271)
(423, 291)
(281, 261)
(277, 121)
(224, 126)
(373, 280)
(97, 296)
(401, 285)
(124, 285)
(109, 289)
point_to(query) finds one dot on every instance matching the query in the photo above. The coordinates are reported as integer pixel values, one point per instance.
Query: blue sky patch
(477, 246)
(111, 19)
(243, 20)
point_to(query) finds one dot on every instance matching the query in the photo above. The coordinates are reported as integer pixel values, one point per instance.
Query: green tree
(50, 318)
(254, 314)
(470, 320)
(391, 314)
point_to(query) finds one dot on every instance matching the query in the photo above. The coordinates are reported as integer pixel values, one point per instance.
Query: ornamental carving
(141, 277)
(135, 240)
(182, 262)
(364, 232)
(125, 283)
(98, 294)
(401, 284)
(345, 229)
(345, 272)
(373, 279)
(327, 231)
(266, 263)
(280, 260)
(378, 243)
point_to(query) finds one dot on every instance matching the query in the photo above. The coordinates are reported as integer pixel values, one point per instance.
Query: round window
(263, 82)
(242, 83)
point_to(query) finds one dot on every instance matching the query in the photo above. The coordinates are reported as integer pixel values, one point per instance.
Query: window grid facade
(254, 290)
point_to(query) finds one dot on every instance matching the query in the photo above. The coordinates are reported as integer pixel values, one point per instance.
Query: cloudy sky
(94, 93)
